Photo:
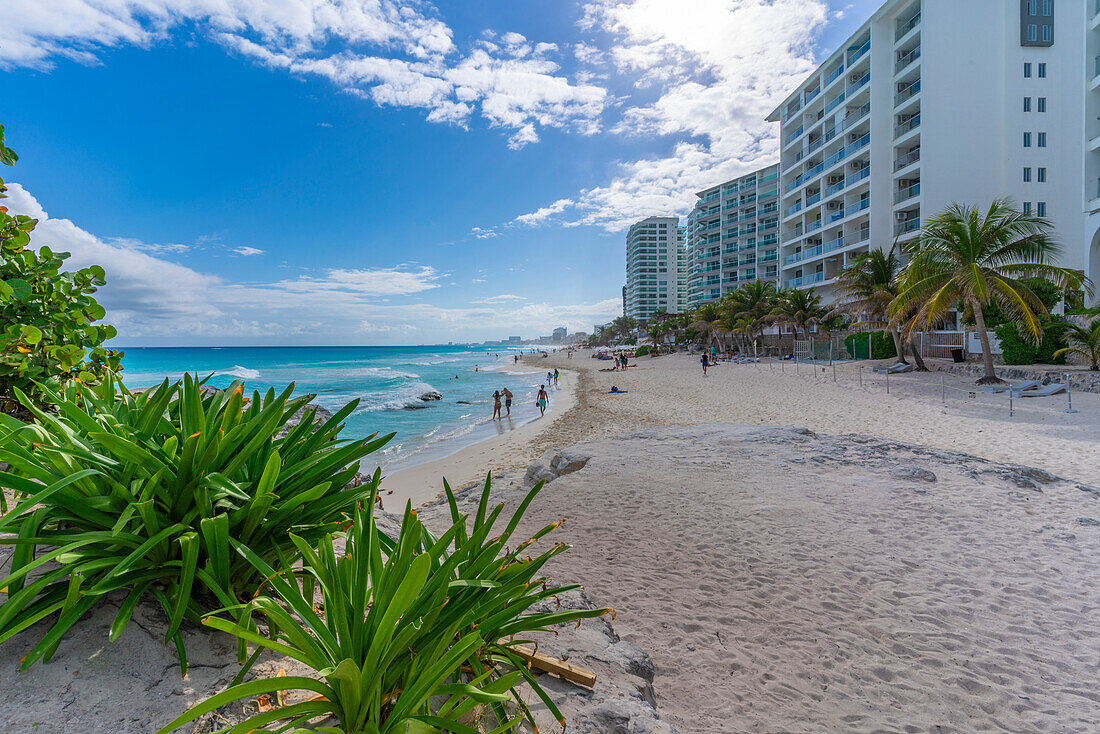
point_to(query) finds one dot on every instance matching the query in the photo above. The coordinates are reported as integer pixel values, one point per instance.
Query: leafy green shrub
(401, 621)
(1084, 342)
(643, 350)
(149, 494)
(882, 345)
(1017, 349)
(47, 316)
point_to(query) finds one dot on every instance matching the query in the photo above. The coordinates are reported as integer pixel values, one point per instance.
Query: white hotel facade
(933, 102)
(733, 235)
(656, 268)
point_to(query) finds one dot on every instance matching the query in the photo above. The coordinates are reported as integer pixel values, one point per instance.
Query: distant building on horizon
(557, 336)
(733, 235)
(654, 267)
(935, 102)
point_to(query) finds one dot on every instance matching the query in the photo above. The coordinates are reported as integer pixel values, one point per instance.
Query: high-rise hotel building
(733, 235)
(655, 266)
(933, 102)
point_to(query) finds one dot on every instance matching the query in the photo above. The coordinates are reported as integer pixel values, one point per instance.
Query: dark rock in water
(463, 402)
(431, 395)
(412, 406)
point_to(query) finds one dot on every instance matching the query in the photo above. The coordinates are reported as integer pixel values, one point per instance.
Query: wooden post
(560, 668)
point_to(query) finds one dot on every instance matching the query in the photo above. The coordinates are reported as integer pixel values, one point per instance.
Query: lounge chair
(894, 369)
(1046, 391)
(1019, 387)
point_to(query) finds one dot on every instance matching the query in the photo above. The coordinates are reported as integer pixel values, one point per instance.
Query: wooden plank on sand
(560, 668)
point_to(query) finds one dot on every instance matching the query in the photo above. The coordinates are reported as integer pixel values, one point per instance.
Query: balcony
(839, 186)
(794, 282)
(906, 58)
(811, 200)
(854, 54)
(811, 94)
(909, 225)
(909, 125)
(813, 278)
(833, 245)
(791, 259)
(812, 226)
(769, 257)
(837, 72)
(859, 83)
(907, 193)
(769, 239)
(908, 93)
(793, 209)
(837, 215)
(811, 252)
(907, 26)
(834, 103)
(909, 158)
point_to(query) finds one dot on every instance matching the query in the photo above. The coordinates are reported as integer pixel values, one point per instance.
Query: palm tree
(753, 301)
(801, 309)
(705, 319)
(964, 255)
(1085, 342)
(868, 286)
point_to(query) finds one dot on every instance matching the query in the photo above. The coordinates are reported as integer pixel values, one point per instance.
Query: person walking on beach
(507, 401)
(542, 400)
(703, 361)
(556, 377)
(549, 378)
(496, 405)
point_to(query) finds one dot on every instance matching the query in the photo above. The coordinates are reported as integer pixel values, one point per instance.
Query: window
(1027, 140)
(1032, 7)
(1032, 32)
(1041, 175)
(1047, 33)
(1042, 71)
(1048, 8)
(1027, 104)
(1027, 207)
(1042, 142)
(1041, 208)
(1027, 175)
(1042, 104)
(1027, 71)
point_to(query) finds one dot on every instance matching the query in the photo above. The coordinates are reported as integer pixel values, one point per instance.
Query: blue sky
(382, 171)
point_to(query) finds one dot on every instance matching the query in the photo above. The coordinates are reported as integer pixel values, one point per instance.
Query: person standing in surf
(496, 405)
(507, 401)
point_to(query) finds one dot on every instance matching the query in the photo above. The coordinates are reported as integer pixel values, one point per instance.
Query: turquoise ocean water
(388, 382)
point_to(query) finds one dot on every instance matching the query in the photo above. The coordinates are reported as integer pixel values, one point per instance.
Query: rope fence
(863, 376)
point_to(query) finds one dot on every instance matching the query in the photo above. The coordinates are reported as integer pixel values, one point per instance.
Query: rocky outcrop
(430, 396)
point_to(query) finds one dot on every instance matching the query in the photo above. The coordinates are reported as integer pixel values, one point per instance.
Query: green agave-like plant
(409, 634)
(148, 494)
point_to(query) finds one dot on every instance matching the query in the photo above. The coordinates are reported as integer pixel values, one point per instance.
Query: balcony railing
(859, 83)
(833, 245)
(794, 283)
(911, 124)
(863, 204)
(907, 193)
(834, 103)
(768, 258)
(907, 58)
(793, 209)
(813, 226)
(813, 278)
(839, 186)
(855, 53)
(909, 225)
(811, 94)
(839, 214)
(811, 200)
(769, 239)
(840, 70)
(911, 157)
(907, 26)
(769, 192)
(790, 259)
(907, 93)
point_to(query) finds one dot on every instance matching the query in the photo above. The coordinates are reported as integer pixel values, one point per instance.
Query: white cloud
(247, 251)
(719, 67)
(484, 234)
(502, 298)
(540, 216)
(153, 300)
(393, 52)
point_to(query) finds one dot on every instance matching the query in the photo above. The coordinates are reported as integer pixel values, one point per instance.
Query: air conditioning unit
(833, 205)
(853, 137)
(853, 78)
(856, 166)
(901, 216)
(835, 179)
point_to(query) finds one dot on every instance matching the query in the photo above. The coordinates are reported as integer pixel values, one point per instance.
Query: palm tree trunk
(917, 356)
(898, 348)
(990, 376)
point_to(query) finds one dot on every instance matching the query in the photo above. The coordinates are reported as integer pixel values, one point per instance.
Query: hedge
(882, 345)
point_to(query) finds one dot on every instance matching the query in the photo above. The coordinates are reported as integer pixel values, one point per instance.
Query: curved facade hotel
(938, 101)
(733, 235)
(656, 268)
